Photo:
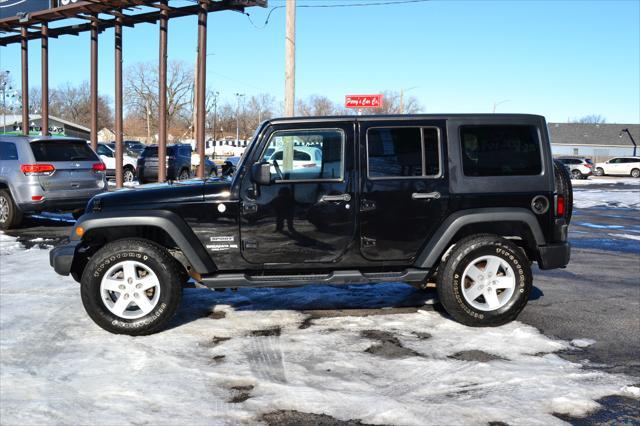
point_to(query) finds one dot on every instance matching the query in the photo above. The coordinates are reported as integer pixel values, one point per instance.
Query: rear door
(73, 161)
(403, 190)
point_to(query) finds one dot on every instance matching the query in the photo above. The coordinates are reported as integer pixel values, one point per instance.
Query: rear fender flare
(442, 238)
(169, 222)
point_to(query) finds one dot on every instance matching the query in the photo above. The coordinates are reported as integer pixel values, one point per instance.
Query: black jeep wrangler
(468, 202)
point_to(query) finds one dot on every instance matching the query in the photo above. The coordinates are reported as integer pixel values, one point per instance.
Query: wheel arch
(162, 227)
(506, 222)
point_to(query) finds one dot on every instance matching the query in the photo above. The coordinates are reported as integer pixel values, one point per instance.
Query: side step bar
(236, 280)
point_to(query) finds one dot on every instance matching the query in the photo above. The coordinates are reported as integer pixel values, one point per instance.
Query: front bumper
(552, 256)
(61, 257)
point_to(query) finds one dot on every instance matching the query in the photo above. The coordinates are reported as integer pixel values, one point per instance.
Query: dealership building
(596, 141)
(12, 124)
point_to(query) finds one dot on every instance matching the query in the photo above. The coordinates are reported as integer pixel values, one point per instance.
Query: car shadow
(358, 300)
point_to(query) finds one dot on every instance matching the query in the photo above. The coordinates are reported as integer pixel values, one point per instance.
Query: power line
(328, 6)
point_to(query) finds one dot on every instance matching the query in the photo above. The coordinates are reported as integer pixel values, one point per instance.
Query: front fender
(167, 221)
(443, 237)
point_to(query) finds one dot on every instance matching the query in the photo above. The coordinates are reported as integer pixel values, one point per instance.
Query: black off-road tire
(13, 215)
(151, 255)
(449, 285)
(564, 187)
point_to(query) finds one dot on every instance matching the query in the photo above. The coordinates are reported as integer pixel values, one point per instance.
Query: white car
(307, 161)
(578, 167)
(627, 166)
(107, 153)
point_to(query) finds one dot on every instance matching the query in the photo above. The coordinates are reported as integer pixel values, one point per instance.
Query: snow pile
(231, 357)
(618, 196)
(7, 245)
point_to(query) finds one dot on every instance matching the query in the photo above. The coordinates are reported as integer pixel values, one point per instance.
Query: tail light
(99, 167)
(37, 169)
(560, 206)
(588, 165)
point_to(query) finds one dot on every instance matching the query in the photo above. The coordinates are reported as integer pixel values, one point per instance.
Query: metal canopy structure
(103, 14)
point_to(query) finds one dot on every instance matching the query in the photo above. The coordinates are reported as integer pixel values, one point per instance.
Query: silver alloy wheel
(4, 209)
(184, 175)
(130, 289)
(128, 175)
(488, 283)
(599, 171)
(576, 174)
(635, 173)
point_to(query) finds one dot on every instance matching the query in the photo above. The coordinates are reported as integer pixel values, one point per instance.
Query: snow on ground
(230, 357)
(623, 193)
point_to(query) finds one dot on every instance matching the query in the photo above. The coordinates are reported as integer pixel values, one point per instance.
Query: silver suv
(46, 174)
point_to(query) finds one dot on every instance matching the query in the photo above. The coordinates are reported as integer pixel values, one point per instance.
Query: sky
(560, 59)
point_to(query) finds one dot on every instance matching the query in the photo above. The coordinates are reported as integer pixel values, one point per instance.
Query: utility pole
(290, 60)
(215, 115)
(402, 97)
(238, 96)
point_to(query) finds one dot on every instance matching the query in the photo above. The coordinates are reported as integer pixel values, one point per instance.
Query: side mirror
(261, 173)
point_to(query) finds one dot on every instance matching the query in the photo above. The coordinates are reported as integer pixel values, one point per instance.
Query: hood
(155, 195)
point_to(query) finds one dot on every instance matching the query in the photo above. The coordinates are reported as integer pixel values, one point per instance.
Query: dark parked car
(178, 163)
(46, 174)
(467, 202)
(134, 148)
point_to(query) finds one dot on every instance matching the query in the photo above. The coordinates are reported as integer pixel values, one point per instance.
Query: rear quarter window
(62, 150)
(8, 151)
(500, 150)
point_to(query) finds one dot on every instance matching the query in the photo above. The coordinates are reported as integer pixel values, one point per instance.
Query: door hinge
(249, 208)
(367, 205)
(368, 242)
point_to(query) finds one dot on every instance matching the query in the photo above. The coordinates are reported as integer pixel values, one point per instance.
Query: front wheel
(485, 281)
(599, 171)
(131, 287)
(635, 173)
(184, 174)
(128, 175)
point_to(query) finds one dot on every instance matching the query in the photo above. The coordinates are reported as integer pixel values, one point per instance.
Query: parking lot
(335, 354)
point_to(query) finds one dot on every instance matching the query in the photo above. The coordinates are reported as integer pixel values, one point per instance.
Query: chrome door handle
(341, 197)
(425, 195)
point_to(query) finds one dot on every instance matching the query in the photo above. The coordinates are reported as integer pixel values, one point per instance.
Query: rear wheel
(10, 214)
(131, 287)
(485, 281)
(635, 173)
(575, 174)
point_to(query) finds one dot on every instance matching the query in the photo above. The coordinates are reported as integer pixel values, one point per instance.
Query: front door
(306, 214)
(404, 195)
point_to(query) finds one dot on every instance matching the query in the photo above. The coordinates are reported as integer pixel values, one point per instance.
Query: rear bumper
(57, 204)
(61, 257)
(552, 256)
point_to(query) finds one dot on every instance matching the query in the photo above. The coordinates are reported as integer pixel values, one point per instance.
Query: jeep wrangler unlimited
(467, 202)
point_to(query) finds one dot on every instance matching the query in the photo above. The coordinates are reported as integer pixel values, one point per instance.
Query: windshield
(247, 152)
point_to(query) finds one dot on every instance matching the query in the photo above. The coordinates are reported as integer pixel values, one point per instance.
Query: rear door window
(500, 150)
(402, 152)
(62, 150)
(8, 151)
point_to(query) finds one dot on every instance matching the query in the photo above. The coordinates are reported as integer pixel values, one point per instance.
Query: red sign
(363, 101)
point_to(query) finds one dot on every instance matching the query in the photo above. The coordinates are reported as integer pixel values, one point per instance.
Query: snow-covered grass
(417, 368)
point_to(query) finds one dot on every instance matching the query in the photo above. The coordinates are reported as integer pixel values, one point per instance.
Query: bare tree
(141, 93)
(316, 105)
(391, 104)
(73, 103)
(590, 119)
